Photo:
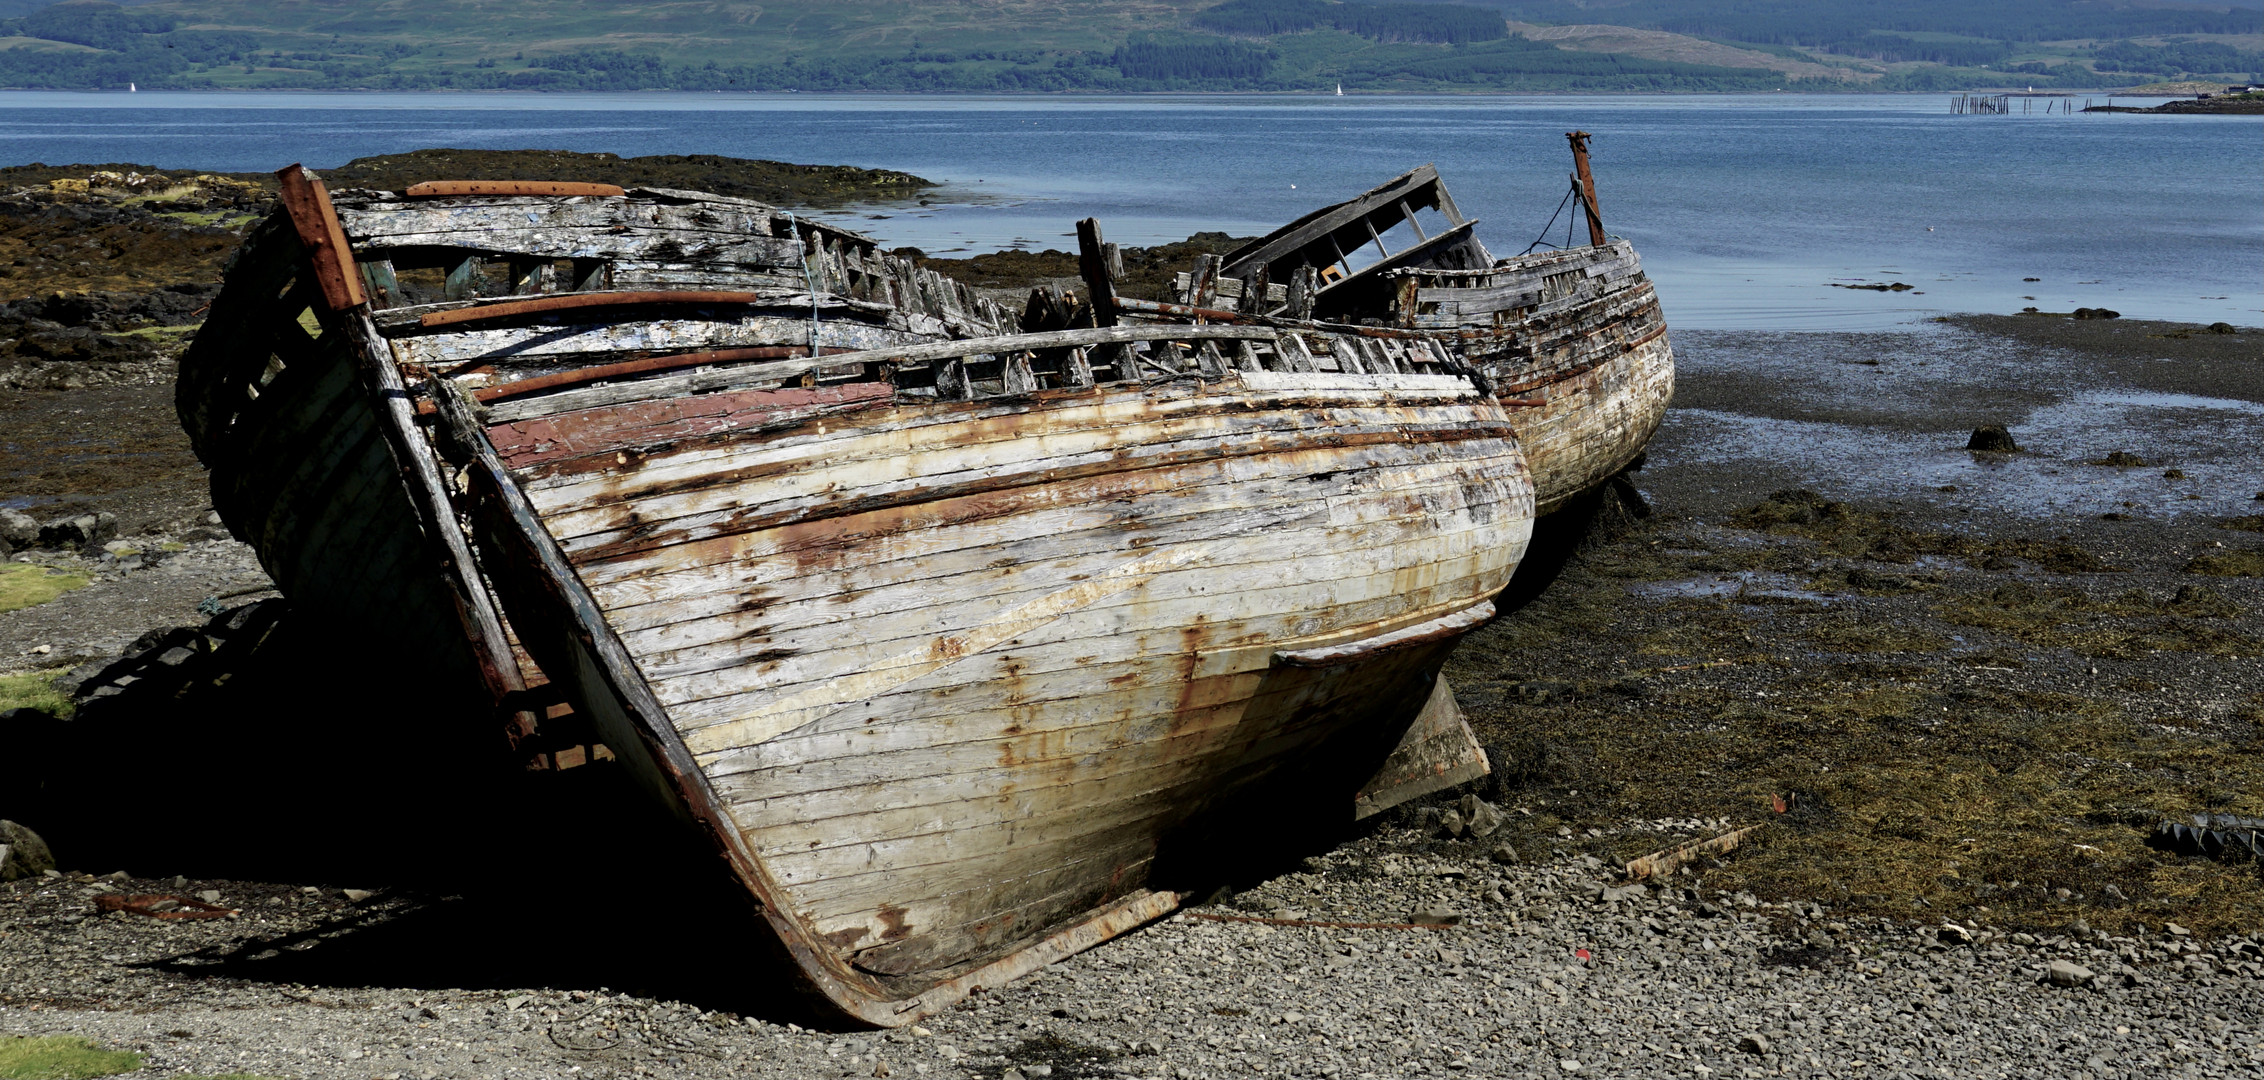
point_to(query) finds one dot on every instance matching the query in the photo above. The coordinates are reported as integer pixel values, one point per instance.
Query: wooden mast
(1587, 183)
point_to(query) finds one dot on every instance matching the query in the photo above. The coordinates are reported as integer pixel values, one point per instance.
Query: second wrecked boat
(957, 644)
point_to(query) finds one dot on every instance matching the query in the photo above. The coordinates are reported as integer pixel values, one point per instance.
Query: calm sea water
(1744, 208)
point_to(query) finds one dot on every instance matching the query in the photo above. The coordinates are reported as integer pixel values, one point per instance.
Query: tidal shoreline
(1977, 681)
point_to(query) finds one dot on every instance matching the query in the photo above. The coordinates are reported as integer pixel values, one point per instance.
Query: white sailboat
(1340, 89)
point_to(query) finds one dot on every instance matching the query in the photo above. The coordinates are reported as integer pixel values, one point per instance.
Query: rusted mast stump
(1587, 182)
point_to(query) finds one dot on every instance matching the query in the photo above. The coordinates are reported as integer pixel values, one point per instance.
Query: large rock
(83, 531)
(2069, 973)
(22, 853)
(17, 530)
(1992, 439)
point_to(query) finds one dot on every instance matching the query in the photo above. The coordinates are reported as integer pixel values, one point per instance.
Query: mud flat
(1975, 681)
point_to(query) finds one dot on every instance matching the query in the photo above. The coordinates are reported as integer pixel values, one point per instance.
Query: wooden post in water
(1587, 181)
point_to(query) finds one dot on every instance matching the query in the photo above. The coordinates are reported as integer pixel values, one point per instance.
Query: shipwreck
(951, 635)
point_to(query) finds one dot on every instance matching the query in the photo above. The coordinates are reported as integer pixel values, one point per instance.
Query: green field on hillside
(1095, 45)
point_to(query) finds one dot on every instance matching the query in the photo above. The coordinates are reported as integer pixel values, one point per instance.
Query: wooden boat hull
(961, 654)
(1591, 350)
(1576, 333)
(945, 680)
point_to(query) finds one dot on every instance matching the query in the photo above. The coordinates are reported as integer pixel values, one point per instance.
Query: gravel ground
(1552, 966)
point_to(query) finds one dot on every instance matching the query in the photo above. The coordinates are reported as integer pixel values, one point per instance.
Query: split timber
(955, 640)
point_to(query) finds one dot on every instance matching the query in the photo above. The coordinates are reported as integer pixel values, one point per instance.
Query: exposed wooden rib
(562, 188)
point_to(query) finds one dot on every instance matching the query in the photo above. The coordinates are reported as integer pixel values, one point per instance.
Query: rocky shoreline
(1958, 690)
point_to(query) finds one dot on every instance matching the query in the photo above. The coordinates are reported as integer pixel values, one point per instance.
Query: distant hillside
(1119, 45)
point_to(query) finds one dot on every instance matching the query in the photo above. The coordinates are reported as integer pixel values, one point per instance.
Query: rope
(811, 278)
(1543, 239)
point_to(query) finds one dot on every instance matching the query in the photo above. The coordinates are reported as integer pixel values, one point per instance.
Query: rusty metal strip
(146, 903)
(600, 372)
(437, 188)
(316, 222)
(575, 301)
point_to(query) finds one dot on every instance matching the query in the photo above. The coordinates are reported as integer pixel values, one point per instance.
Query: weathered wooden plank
(707, 510)
(1446, 626)
(1075, 426)
(894, 617)
(1413, 186)
(689, 585)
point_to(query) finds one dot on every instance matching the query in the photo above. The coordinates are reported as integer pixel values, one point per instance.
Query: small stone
(356, 896)
(1953, 934)
(1569, 1065)
(1035, 1071)
(1450, 823)
(1755, 1043)
(1293, 1018)
(1503, 854)
(2069, 973)
(2175, 930)
(2115, 894)
(209, 896)
(1992, 439)
(1012, 1074)
(1434, 917)
(1482, 818)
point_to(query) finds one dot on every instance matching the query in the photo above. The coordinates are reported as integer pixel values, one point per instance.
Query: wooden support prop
(316, 223)
(1662, 863)
(573, 301)
(1093, 263)
(1587, 181)
(438, 188)
(1438, 751)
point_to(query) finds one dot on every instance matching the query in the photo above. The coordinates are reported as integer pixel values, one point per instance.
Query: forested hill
(1124, 45)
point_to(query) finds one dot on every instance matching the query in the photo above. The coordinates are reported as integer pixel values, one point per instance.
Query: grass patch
(61, 1057)
(2245, 562)
(24, 585)
(33, 690)
(159, 333)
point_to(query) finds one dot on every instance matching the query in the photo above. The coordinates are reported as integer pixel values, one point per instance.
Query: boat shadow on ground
(266, 758)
